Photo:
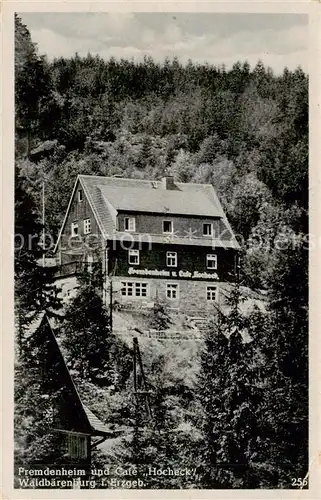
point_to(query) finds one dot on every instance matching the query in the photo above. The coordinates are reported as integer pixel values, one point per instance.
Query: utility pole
(144, 392)
(111, 305)
(43, 223)
(111, 297)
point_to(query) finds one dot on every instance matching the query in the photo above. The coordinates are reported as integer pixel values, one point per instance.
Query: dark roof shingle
(157, 200)
(110, 195)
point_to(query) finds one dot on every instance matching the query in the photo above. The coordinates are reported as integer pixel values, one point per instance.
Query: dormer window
(130, 224)
(167, 226)
(208, 229)
(80, 198)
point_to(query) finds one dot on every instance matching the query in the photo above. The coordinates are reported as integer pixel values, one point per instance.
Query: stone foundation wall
(191, 294)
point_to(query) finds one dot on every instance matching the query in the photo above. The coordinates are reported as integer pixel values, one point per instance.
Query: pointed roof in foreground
(43, 326)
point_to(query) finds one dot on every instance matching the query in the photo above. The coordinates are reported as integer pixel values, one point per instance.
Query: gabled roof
(95, 426)
(98, 427)
(143, 198)
(139, 195)
(108, 196)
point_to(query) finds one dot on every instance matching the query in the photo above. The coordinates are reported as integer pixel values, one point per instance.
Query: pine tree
(230, 393)
(160, 318)
(32, 84)
(286, 407)
(86, 329)
(92, 350)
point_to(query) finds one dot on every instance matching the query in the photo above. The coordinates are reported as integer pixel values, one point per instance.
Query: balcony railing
(70, 268)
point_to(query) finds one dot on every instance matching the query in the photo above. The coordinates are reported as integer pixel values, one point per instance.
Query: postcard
(161, 244)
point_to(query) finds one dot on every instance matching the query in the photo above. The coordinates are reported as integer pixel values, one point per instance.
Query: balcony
(70, 269)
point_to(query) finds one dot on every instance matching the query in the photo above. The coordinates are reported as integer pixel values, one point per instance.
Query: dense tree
(155, 441)
(231, 391)
(246, 200)
(286, 349)
(254, 391)
(32, 85)
(92, 350)
(33, 416)
(160, 318)
(252, 117)
(34, 288)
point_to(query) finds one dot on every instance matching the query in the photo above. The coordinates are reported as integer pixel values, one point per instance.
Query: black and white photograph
(161, 251)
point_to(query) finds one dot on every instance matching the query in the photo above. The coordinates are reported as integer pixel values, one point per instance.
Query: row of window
(130, 225)
(130, 289)
(171, 259)
(168, 226)
(139, 289)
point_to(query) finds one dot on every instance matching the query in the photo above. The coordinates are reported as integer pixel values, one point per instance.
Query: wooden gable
(57, 385)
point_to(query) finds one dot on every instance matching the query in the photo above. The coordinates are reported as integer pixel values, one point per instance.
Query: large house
(162, 239)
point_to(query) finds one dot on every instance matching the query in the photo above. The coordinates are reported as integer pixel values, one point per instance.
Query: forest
(244, 130)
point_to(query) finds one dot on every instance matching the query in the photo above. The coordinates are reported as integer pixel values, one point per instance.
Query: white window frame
(210, 289)
(87, 226)
(210, 224)
(169, 289)
(74, 225)
(80, 195)
(133, 253)
(135, 289)
(141, 286)
(172, 227)
(126, 287)
(211, 257)
(131, 224)
(169, 256)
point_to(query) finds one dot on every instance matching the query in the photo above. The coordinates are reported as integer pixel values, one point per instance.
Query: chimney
(168, 182)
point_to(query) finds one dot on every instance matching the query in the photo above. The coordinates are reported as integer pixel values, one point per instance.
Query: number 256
(299, 482)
